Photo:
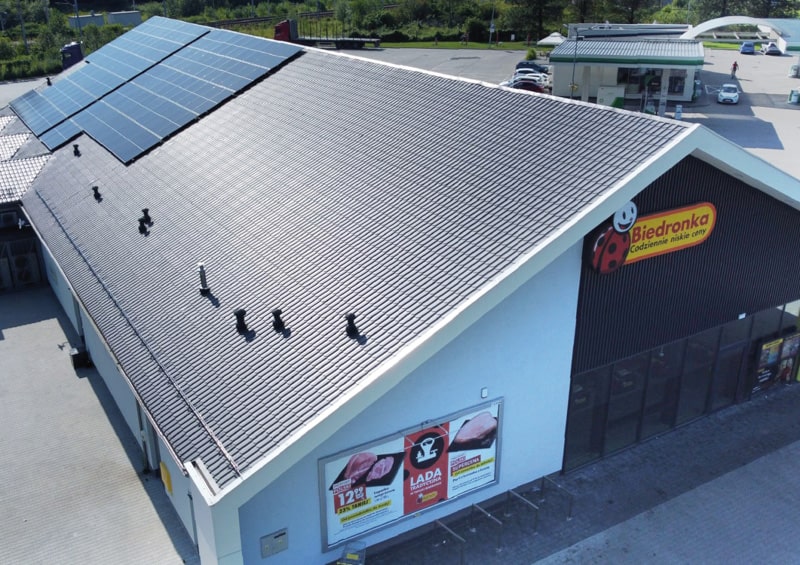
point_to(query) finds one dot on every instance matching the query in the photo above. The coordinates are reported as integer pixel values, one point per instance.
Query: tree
(629, 11)
(531, 16)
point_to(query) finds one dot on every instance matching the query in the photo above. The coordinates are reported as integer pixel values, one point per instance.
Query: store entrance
(617, 405)
(726, 378)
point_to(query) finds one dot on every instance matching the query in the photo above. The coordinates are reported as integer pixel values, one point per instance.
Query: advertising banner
(767, 364)
(789, 351)
(381, 482)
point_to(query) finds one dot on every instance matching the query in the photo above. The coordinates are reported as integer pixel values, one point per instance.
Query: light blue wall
(180, 489)
(521, 351)
(117, 386)
(60, 287)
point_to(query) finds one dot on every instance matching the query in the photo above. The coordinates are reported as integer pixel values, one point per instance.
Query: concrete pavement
(70, 491)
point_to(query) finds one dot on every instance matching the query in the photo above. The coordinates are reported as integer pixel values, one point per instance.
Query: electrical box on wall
(274, 543)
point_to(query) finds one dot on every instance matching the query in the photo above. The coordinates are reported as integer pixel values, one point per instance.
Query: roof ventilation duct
(352, 330)
(76, 150)
(277, 322)
(146, 216)
(201, 270)
(241, 326)
(143, 227)
(97, 195)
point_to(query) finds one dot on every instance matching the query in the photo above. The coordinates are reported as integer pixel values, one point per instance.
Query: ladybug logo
(612, 245)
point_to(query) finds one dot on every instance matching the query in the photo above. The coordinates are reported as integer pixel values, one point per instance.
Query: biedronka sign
(629, 239)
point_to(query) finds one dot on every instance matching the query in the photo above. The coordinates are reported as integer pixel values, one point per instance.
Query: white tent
(552, 40)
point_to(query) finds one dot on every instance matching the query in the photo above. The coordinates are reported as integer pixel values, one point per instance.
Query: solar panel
(117, 133)
(37, 112)
(60, 134)
(149, 83)
(111, 66)
(182, 93)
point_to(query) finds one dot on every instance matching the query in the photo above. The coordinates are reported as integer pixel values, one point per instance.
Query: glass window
(726, 375)
(736, 331)
(625, 401)
(661, 394)
(587, 417)
(790, 315)
(701, 352)
(767, 323)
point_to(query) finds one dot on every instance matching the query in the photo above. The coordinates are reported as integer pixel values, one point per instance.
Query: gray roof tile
(336, 185)
(17, 175)
(685, 51)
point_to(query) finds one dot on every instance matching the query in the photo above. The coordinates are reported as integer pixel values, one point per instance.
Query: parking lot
(763, 121)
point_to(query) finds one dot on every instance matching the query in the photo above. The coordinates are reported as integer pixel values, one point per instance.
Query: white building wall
(61, 288)
(132, 18)
(180, 492)
(117, 386)
(521, 351)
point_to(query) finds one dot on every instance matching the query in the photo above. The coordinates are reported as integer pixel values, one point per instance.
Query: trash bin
(678, 111)
(794, 71)
(794, 97)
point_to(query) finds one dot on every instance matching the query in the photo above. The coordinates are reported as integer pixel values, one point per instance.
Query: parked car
(526, 83)
(530, 73)
(728, 94)
(533, 65)
(771, 49)
(747, 48)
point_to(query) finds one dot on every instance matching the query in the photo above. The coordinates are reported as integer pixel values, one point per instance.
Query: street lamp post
(78, 19)
(572, 86)
(74, 4)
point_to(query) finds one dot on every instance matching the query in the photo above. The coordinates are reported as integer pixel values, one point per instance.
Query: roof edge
(394, 370)
(736, 161)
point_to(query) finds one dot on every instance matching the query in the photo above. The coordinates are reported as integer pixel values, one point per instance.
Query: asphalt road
(763, 122)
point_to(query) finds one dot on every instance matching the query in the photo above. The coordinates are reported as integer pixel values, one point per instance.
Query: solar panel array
(147, 84)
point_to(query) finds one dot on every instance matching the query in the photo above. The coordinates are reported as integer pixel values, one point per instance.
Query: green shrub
(395, 36)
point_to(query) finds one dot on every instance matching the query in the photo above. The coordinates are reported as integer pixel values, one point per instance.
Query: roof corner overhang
(741, 164)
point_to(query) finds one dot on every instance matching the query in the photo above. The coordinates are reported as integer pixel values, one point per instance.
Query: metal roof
(17, 170)
(634, 52)
(337, 185)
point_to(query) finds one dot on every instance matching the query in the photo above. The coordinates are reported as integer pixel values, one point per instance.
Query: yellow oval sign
(670, 231)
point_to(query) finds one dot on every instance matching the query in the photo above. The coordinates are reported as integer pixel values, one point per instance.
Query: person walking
(734, 68)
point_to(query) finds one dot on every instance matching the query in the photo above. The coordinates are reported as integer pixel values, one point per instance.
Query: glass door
(701, 354)
(725, 381)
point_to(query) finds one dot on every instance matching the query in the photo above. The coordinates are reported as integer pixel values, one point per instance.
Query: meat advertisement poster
(381, 482)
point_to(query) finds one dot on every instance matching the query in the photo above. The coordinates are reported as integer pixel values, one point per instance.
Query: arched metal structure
(731, 20)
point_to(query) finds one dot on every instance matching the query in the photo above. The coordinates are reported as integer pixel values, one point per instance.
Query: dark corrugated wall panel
(750, 262)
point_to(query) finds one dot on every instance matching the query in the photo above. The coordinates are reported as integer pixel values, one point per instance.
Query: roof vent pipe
(142, 226)
(241, 326)
(201, 270)
(76, 150)
(146, 216)
(277, 323)
(96, 191)
(352, 330)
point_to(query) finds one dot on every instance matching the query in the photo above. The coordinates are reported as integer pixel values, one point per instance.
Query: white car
(728, 94)
(533, 75)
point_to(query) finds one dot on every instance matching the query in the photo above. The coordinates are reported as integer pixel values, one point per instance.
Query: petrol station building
(330, 319)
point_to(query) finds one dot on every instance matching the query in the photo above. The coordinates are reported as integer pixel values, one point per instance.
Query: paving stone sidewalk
(722, 489)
